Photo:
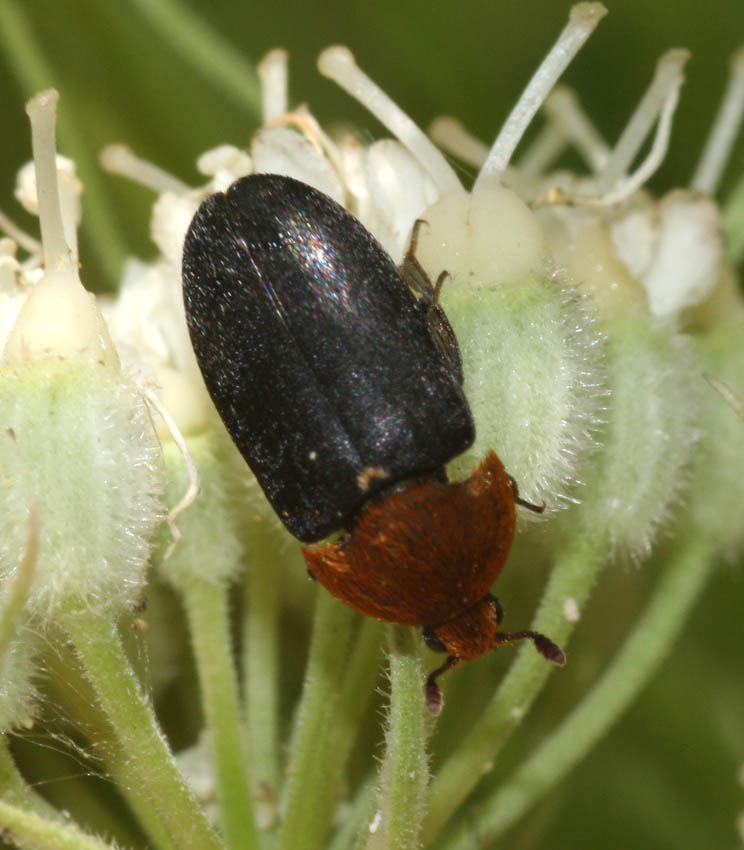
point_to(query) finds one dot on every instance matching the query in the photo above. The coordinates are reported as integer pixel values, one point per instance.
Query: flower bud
(530, 349)
(210, 546)
(713, 505)
(649, 436)
(77, 441)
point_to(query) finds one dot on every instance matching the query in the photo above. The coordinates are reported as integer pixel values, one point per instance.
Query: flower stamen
(338, 64)
(564, 111)
(42, 112)
(626, 187)
(724, 130)
(273, 73)
(582, 20)
(121, 159)
(20, 237)
(667, 78)
(452, 136)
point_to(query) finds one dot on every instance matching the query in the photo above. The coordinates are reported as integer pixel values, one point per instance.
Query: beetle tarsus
(537, 509)
(434, 696)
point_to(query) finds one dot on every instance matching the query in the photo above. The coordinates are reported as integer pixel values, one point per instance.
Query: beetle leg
(544, 645)
(443, 275)
(434, 698)
(414, 274)
(497, 607)
(538, 509)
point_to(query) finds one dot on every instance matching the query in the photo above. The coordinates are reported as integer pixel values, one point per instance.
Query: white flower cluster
(586, 312)
(568, 294)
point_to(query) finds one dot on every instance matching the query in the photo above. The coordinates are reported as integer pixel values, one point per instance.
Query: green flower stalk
(200, 569)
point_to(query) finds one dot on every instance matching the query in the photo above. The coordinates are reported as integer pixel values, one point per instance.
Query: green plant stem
(35, 74)
(72, 691)
(31, 831)
(308, 800)
(688, 567)
(202, 47)
(260, 662)
(18, 589)
(360, 676)
(404, 772)
(362, 672)
(572, 577)
(733, 223)
(206, 606)
(353, 832)
(15, 790)
(148, 765)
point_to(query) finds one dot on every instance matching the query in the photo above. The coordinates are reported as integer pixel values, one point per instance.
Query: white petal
(281, 150)
(400, 190)
(687, 261)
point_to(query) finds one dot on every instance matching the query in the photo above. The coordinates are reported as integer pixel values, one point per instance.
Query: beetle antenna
(544, 645)
(434, 696)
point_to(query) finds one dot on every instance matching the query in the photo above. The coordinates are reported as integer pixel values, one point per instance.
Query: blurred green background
(667, 775)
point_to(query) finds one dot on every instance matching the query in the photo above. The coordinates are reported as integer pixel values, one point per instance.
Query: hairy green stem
(353, 831)
(17, 590)
(360, 676)
(15, 790)
(31, 831)
(733, 223)
(572, 578)
(73, 692)
(309, 795)
(206, 606)
(688, 567)
(260, 663)
(148, 764)
(404, 773)
(202, 47)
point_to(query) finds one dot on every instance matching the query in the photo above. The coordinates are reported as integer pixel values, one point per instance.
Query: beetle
(338, 377)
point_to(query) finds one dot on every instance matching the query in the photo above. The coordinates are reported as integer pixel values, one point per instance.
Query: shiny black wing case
(318, 356)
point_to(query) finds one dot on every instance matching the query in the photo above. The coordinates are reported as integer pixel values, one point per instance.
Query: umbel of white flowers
(549, 301)
(586, 312)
